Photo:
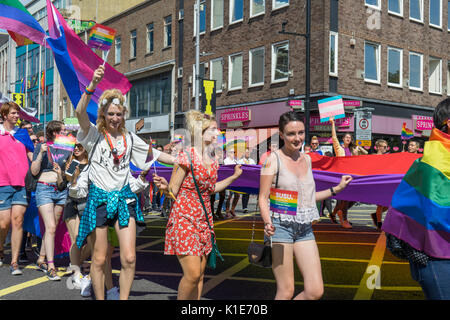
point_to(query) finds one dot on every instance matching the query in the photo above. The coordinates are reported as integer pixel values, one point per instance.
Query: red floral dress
(187, 231)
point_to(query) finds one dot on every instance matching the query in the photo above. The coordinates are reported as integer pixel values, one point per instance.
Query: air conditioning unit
(180, 72)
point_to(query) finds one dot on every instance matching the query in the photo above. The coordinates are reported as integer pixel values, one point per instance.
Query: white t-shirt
(103, 172)
(229, 161)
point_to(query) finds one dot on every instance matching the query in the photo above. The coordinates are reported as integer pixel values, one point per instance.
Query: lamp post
(307, 36)
(197, 54)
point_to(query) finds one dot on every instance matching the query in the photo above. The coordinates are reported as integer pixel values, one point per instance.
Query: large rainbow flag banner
(420, 210)
(331, 107)
(101, 37)
(19, 23)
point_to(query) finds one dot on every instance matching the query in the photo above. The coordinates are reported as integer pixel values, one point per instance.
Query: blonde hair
(196, 121)
(109, 95)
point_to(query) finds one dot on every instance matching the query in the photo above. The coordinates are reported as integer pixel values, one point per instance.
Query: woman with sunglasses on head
(49, 200)
(111, 202)
(13, 197)
(348, 148)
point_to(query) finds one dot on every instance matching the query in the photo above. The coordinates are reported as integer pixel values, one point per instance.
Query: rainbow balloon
(101, 37)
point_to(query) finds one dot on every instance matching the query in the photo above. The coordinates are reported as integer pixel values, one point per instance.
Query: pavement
(355, 265)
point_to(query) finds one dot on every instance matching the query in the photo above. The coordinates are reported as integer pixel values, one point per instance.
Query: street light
(197, 54)
(307, 36)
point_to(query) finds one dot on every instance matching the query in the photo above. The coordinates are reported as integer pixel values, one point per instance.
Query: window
(236, 10)
(448, 16)
(435, 75)
(150, 38)
(216, 14)
(117, 50)
(235, 72)
(333, 54)
(372, 62)
(257, 7)
(395, 67)
(256, 70)
(280, 62)
(416, 10)
(374, 3)
(216, 73)
(435, 13)
(415, 71)
(395, 7)
(167, 31)
(202, 18)
(133, 44)
(276, 4)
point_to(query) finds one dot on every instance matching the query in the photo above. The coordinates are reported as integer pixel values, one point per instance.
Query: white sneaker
(74, 282)
(85, 286)
(113, 294)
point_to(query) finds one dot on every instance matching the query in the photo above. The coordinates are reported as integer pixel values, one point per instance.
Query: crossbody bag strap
(200, 195)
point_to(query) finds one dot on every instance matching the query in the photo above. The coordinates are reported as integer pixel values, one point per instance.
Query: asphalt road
(355, 264)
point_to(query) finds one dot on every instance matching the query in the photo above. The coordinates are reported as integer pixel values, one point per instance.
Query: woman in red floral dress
(188, 235)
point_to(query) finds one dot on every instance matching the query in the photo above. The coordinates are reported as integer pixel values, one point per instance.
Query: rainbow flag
(178, 138)
(406, 133)
(331, 107)
(420, 209)
(19, 23)
(101, 37)
(283, 201)
(65, 142)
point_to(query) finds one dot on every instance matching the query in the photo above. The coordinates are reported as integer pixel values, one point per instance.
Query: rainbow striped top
(420, 208)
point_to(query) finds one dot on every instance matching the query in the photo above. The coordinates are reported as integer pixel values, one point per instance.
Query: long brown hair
(108, 96)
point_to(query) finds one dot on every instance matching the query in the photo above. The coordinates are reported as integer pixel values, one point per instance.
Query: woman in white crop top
(288, 214)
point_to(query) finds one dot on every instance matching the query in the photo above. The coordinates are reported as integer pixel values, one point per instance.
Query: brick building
(392, 56)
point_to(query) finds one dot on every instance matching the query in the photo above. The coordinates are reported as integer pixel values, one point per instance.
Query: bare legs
(191, 284)
(50, 214)
(14, 217)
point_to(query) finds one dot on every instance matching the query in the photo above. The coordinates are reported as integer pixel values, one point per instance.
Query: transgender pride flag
(331, 107)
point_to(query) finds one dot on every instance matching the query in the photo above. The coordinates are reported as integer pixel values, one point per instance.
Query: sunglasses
(79, 146)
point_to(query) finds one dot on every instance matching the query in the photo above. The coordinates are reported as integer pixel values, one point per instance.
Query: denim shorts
(46, 194)
(291, 232)
(434, 278)
(10, 196)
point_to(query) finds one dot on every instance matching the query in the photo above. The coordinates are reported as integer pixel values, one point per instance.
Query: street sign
(363, 127)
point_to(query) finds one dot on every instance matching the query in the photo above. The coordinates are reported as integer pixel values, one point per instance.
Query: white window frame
(448, 16)
(439, 26)
(397, 13)
(117, 43)
(152, 30)
(421, 12)
(398, 85)
(230, 69)
(202, 2)
(421, 71)
(258, 14)
(274, 60)
(439, 75)
(274, 7)
(378, 57)
(166, 38)
(377, 7)
(336, 46)
(131, 44)
(231, 12)
(212, 15)
(219, 60)
(250, 68)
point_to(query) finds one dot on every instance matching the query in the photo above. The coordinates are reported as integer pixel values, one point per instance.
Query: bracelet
(332, 192)
(89, 92)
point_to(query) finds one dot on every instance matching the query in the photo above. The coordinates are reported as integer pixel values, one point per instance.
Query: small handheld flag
(406, 133)
(65, 142)
(101, 37)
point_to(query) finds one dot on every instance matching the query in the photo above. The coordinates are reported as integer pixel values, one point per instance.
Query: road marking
(22, 286)
(228, 273)
(371, 278)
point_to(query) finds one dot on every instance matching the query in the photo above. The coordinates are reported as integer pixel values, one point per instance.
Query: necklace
(114, 150)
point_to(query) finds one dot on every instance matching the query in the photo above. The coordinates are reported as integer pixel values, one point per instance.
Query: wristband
(332, 192)
(89, 92)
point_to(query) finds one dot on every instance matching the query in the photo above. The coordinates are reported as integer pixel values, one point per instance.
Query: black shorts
(71, 208)
(102, 220)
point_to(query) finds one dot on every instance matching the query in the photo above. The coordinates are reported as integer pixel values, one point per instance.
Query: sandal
(51, 275)
(42, 266)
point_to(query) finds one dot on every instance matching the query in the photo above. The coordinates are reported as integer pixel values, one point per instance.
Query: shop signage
(236, 114)
(316, 125)
(363, 128)
(423, 123)
(352, 103)
(296, 104)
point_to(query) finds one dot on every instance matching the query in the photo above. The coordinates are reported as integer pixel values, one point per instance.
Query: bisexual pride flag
(331, 107)
(420, 209)
(101, 37)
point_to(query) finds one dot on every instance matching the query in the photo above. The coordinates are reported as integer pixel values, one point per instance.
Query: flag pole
(44, 93)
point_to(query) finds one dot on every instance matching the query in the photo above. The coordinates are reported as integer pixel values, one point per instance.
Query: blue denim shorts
(10, 196)
(291, 232)
(49, 194)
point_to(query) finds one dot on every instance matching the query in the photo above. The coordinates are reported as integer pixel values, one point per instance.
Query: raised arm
(81, 110)
(336, 145)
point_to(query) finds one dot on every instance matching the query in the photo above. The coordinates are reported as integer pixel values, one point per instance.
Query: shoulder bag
(215, 253)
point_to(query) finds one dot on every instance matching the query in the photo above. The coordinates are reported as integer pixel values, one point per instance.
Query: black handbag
(215, 253)
(31, 181)
(261, 254)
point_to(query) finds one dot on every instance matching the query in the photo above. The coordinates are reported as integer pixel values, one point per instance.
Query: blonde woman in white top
(291, 231)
